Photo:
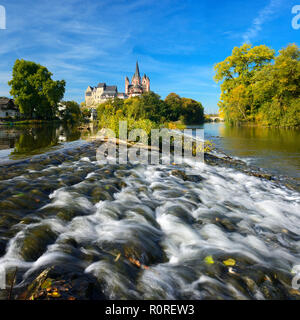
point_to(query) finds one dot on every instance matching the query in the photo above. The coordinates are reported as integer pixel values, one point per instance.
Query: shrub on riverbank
(112, 121)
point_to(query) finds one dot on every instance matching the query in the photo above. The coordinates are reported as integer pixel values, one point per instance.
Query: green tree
(71, 112)
(34, 91)
(192, 111)
(86, 113)
(155, 109)
(149, 106)
(277, 89)
(174, 104)
(236, 76)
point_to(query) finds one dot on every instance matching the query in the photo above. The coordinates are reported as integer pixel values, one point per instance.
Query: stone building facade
(100, 94)
(97, 95)
(8, 109)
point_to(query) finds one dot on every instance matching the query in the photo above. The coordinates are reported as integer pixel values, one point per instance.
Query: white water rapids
(170, 225)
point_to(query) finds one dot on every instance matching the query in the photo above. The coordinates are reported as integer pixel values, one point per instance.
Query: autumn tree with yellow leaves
(258, 86)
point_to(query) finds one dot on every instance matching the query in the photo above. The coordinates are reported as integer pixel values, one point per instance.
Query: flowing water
(144, 231)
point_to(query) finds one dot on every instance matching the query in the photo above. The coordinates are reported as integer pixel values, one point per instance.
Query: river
(148, 231)
(275, 149)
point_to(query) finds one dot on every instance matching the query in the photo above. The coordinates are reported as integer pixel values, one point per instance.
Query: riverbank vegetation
(70, 112)
(149, 111)
(259, 86)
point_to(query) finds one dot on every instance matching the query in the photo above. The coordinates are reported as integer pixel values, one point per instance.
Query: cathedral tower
(137, 86)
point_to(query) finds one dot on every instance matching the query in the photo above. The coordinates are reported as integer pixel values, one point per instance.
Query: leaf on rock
(118, 257)
(209, 260)
(54, 294)
(229, 262)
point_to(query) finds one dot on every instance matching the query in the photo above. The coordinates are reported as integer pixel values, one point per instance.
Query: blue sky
(176, 43)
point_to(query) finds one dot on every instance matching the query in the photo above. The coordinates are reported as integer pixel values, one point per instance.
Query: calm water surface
(274, 149)
(18, 142)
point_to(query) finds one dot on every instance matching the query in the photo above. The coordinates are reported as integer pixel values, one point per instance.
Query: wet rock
(227, 225)
(36, 241)
(103, 193)
(251, 285)
(171, 194)
(116, 278)
(193, 200)
(29, 219)
(146, 212)
(24, 201)
(181, 213)
(8, 205)
(98, 194)
(271, 292)
(66, 214)
(3, 244)
(62, 283)
(8, 219)
(21, 184)
(260, 175)
(183, 176)
(143, 246)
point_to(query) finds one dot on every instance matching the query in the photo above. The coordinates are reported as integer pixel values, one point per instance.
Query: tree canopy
(150, 106)
(34, 91)
(70, 112)
(259, 86)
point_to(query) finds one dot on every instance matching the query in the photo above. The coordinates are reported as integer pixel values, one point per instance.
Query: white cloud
(264, 15)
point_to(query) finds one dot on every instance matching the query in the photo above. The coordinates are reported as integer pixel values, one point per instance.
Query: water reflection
(276, 149)
(30, 140)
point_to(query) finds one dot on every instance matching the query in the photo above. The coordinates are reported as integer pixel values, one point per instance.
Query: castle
(103, 92)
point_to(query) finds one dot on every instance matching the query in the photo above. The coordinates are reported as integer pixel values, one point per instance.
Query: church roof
(137, 71)
(111, 88)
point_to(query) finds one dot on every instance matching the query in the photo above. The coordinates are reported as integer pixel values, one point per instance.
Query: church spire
(137, 71)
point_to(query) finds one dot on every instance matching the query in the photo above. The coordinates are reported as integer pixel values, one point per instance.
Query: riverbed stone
(36, 241)
(3, 244)
(62, 283)
(183, 176)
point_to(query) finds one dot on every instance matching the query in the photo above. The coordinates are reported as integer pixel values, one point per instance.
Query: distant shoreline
(28, 122)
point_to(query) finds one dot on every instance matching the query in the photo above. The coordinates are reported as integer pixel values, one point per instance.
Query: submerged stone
(182, 175)
(36, 241)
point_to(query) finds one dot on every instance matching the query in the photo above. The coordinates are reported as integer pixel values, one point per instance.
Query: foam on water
(170, 225)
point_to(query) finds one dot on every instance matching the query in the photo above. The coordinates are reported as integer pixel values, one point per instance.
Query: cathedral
(103, 92)
(137, 86)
